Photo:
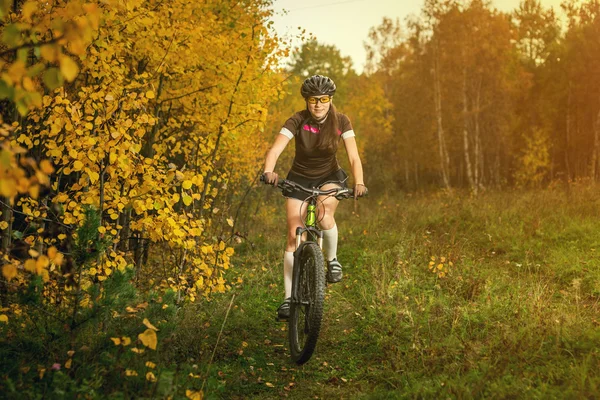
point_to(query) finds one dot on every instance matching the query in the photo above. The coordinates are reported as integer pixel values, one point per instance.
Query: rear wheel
(306, 311)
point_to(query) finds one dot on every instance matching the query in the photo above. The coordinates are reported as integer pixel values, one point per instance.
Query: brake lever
(344, 194)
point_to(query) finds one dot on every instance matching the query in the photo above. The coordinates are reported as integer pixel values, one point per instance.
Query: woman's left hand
(359, 190)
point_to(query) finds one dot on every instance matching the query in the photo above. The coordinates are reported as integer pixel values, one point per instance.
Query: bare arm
(354, 158)
(275, 151)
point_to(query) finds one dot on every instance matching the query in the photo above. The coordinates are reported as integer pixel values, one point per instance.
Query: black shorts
(338, 177)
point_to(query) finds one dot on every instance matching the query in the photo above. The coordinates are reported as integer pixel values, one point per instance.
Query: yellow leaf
(9, 271)
(49, 52)
(77, 165)
(52, 252)
(192, 395)
(94, 176)
(269, 384)
(150, 364)
(28, 9)
(116, 340)
(186, 184)
(41, 263)
(70, 353)
(148, 338)
(230, 221)
(101, 229)
(30, 265)
(150, 377)
(68, 363)
(46, 167)
(8, 187)
(28, 84)
(129, 372)
(68, 68)
(150, 94)
(3, 225)
(125, 341)
(187, 200)
(3, 318)
(149, 325)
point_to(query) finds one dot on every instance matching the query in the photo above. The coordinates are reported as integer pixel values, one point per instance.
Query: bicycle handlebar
(338, 193)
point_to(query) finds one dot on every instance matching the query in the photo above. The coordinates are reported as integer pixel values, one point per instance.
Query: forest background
(133, 135)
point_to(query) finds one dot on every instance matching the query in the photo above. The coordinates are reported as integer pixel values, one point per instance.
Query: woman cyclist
(318, 130)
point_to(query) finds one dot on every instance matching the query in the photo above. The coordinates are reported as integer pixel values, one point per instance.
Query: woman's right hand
(271, 178)
(360, 190)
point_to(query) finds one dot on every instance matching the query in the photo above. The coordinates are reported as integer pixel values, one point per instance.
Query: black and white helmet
(317, 85)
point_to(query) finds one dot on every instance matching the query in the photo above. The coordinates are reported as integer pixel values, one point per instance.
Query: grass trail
(442, 297)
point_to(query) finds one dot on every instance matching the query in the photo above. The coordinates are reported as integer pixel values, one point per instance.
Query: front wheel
(306, 309)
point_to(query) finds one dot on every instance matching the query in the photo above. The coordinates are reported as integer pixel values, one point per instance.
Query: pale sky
(346, 23)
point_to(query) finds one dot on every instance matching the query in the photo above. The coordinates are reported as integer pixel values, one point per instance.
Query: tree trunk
(568, 137)
(416, 176)
(443, 152)
(6, 241)
(595, 160)
(148, 149)
(468, 166)
(124, 235)
(6, 217)
(497, 176)
(477, 156)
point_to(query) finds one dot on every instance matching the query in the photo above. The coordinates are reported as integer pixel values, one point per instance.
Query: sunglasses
(315, 100)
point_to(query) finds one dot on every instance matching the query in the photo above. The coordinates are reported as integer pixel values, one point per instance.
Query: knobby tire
(306, 313)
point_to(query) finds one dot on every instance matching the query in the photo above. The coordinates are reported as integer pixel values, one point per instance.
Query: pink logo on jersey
(316, 130)
(312, 129)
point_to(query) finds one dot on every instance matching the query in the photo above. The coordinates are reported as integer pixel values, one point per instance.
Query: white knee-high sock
(330, 242)
(288, 268)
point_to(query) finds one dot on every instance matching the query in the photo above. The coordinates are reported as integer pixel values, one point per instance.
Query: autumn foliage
(146, 111)
(126, 125)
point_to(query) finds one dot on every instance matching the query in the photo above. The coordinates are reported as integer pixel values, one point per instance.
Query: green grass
(515, 316)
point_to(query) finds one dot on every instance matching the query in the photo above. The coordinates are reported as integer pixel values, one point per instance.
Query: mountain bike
(308, 279)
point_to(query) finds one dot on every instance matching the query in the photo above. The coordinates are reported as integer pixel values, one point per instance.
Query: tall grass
(444, 295)
(513, 315)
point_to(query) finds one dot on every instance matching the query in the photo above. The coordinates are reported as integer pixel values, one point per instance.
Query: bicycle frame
(310, 225)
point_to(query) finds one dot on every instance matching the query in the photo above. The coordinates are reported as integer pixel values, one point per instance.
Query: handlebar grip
(262, 178)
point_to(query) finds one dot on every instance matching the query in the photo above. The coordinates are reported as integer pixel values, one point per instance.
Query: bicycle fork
(311, 222)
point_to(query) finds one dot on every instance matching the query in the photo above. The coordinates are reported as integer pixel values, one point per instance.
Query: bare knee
(291, 240)
(327, 222)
